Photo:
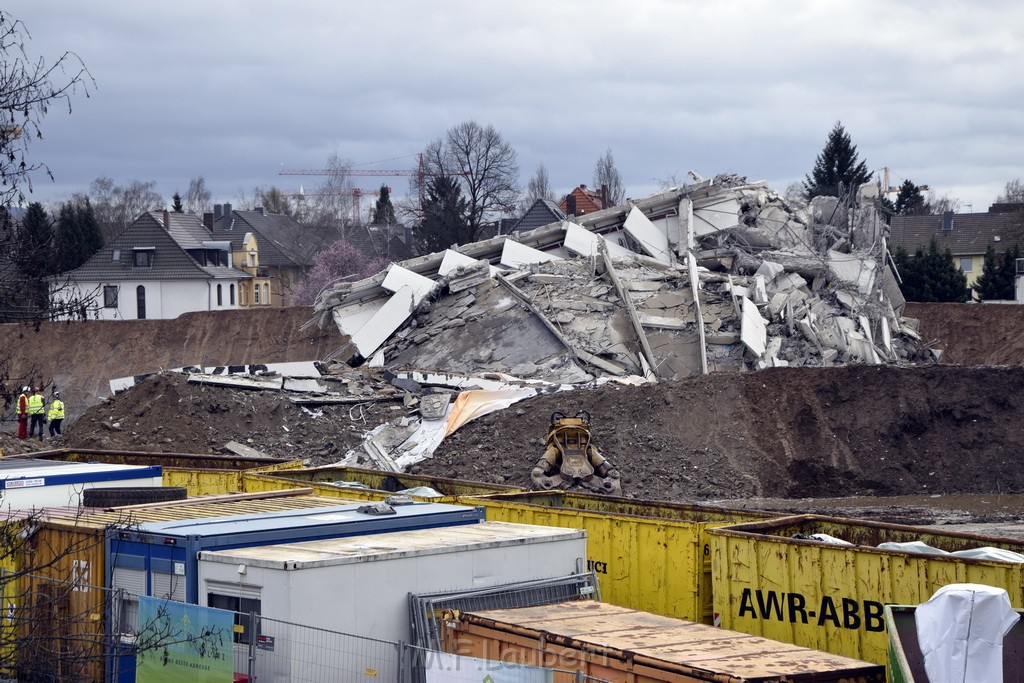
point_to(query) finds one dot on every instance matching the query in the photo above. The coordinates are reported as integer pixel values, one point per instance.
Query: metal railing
(426, 609)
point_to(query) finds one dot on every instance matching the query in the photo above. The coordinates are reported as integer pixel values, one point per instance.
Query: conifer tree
(910, 201)
(444, 217)
(33, 257)
(836, 165)
(998, 279)
(177, 206)
(384, 210)
(78, 236)
(930, 275)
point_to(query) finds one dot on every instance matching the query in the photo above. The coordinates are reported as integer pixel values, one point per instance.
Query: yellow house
(256, 291)
(966, 235)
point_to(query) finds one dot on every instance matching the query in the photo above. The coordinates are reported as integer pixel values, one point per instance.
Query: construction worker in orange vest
(23, 413)
(37, 412)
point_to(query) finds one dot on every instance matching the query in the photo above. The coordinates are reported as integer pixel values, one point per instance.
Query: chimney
(583, 186)
(570, 204)
(947, 221)
(259, 210)
(227, 211)
(218, 211)
(208, 220)
(167, 220)
(604, 195)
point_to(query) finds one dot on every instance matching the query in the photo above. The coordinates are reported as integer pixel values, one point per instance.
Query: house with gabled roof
(162, 265)
(581, 201)
(966, 235)
(541, 212)
(286, 248)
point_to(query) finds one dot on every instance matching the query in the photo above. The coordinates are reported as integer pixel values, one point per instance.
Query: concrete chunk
(515, 255)
(652, 240)
(400, 278)
(754, 331)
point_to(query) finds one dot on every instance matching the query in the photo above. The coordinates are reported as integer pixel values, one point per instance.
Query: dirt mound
(167, 413)
(82, 357)
(788, 432)
(973, 334)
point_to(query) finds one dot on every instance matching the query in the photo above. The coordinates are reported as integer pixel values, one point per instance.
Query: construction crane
(355, 192)
(889, 189)
(420, 173)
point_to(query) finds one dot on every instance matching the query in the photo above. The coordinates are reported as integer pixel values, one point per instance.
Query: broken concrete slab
(754, 330)
(515, 255)
(653, 241)
(852, 270)
(399, 278)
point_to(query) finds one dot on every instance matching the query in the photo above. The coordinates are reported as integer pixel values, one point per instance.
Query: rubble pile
(718, 275)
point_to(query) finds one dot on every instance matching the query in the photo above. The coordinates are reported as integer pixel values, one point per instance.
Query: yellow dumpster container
(647, 555)
(829, 597)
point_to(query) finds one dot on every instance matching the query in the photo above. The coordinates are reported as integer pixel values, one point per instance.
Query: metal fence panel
(279, 650)
(426, 609)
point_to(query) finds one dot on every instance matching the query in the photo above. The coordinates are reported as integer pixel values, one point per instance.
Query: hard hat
(25, 389)
(56, 393)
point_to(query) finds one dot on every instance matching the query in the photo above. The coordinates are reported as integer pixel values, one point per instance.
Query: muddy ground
(783, 438)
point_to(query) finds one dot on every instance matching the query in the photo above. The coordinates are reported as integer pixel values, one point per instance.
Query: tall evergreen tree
(444, 217)
(998, 279)
(78, 236)
(33, 257)
(910, 201)
(384, 210)
(836, 165)
(177, 206)
(930, 275)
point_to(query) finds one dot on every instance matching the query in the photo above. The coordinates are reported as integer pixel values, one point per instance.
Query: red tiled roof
(587, 201)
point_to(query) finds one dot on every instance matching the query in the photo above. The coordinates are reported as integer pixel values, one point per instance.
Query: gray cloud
(233, 90)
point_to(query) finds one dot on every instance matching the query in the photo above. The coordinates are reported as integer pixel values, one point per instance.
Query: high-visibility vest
(56, 410)
(35, 404)
(23, 405)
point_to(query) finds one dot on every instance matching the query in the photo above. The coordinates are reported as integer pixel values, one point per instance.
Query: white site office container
(27, 484)
(360, 585)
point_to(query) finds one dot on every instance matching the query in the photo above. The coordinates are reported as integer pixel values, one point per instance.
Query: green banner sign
(180, 642)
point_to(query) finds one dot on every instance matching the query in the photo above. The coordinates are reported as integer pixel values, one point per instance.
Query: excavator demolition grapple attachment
(571, 459)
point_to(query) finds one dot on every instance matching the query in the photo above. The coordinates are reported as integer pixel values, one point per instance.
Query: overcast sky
(237, 90)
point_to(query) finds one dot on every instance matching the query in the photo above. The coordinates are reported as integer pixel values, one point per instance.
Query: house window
(255, 294)
(266, 293)
(241, 294)
(140, 302)
(110, 296)
(220, 296)
(242, 607)
(967, 264)
(231, 294)
(116, 255)
(143, 258)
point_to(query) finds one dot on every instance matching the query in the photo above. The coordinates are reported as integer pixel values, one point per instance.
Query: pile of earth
(166, 413)
(787, 432)
(972, 334)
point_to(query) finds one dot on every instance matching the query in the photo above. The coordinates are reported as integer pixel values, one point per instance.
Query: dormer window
(142, 257)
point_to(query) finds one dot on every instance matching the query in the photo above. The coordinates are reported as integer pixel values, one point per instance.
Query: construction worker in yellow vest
(36, 412)
(55, 415)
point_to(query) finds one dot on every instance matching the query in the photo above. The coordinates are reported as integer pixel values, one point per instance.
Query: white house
(159, 267)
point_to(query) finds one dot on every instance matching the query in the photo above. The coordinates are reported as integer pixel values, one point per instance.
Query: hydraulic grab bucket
(572, 460)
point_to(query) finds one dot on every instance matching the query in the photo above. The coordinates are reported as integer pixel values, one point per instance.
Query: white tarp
(443, 667)
(960, 630)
